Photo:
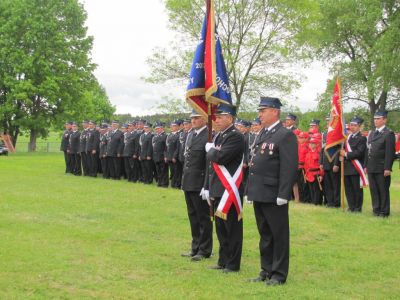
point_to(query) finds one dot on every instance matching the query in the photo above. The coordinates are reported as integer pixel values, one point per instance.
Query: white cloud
(126, 31)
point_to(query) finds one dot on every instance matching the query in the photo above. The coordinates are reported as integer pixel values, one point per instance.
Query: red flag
(336, 130)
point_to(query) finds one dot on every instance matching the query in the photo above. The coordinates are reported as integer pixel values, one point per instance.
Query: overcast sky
(125, 33)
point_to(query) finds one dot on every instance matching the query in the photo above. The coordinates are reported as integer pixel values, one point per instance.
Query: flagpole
(342, 148)
(210, 137)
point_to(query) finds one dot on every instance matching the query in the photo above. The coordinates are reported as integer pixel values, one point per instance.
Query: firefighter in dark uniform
(291, 121)
(103, 150)
(65, 146)
(171, 157)
(244, 127)
(272, 175)
(159, 155)
(74, 150)
(128, 151)
(146, 154)
(355, 151)
(92, 149)
(227, 150)
(379, 162)
(194, 171)
(136, 169)
(115, 144)
(187, 128)
(140, 130)
(331, 178)
(82, 147)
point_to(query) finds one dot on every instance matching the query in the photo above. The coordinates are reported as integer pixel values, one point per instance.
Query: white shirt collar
(273, 125)
(380, 129)
(222, 132)
(200, 130)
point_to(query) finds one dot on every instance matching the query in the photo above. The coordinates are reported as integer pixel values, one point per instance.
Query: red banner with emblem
(336, 134)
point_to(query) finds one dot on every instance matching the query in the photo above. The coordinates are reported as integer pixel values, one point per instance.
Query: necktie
(194, 134)
(376, 133)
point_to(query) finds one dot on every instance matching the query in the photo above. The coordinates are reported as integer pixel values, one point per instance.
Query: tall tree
(44, 63)
(256, 37)
(361, 39)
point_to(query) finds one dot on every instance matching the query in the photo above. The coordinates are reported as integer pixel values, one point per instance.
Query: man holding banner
(208, 88)
(225, 156)
(353, 156)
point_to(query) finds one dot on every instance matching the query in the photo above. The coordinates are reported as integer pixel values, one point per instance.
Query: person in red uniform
(304, 193)
(398, 145)
(313, 173)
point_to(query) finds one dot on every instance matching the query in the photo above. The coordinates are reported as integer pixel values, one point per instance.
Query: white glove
(205, 195)
(209, 146)
(281, 201)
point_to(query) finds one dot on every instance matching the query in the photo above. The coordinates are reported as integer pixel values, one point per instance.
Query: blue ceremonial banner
(208, 81)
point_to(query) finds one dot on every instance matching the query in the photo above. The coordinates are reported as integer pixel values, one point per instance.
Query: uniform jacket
(358, 144)
(246, 138)
(103, 144)
(92, 140)
(129, 144)
(230, 155)
(194, 167)
(159, 147)
(172, 142)
(302, 152)
(273, 168)
(115, 143)
(146, 146)
(83, 139)
(324, 161)
(182, 141)
(65, 140)
(381, 151)
(74, 142)
(311, 165)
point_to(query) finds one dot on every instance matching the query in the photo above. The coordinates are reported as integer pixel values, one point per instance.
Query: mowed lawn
(66, 237)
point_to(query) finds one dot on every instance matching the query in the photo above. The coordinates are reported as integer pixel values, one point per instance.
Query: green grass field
(66, 237)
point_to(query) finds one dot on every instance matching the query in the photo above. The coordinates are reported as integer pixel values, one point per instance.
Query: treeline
(46, 72)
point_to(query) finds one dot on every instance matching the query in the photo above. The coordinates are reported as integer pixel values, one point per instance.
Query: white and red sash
(356, 163)
(231, 194)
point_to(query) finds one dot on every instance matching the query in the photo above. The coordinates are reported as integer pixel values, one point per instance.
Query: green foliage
(360, 39)
(86, 238)
(256, 39)
(45, 67)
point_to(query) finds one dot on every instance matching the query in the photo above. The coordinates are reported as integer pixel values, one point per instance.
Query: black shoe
(217, 267)
(273, 282)
(199, 257)
(226, 270)
(188, 254)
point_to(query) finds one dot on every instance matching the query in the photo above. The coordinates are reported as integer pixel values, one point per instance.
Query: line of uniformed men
(133, 152)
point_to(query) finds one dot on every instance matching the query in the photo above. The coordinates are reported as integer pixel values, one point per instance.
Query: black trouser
(273, 227)
(178, 175)
(304, 192)
(114, 166)
(162, 174)
(332, 188)
(315, 192)
(92, 164)
(76, 164)
(135, 176)
(354, 193)
(128, 165)
(200, 223)
(68, 165)
(85, 165)
(147, 171)
(380, 195)
(230, 237)
(104, 167)
(171, 167)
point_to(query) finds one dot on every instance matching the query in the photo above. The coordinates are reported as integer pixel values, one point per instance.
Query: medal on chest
(263, 147)
(271, 149)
